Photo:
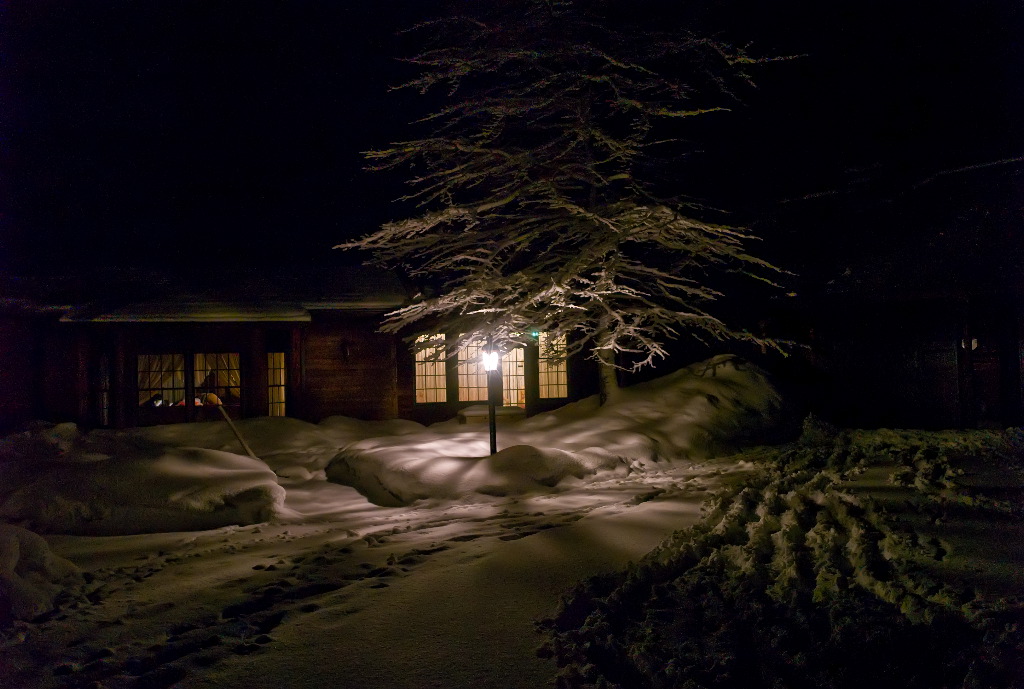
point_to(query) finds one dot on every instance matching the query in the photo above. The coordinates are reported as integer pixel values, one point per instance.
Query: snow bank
(290, 447)
(31, 576)
(706, 409)
(696, 412)
(177, 477)
(195, 476)
(60, 481)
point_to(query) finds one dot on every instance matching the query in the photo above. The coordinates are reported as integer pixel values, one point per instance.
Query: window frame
(219, 366)
(167, 363)
(277, 385)
(465, 383)
(430, 366)
(552, 366)
(471, 385)
(186, 409)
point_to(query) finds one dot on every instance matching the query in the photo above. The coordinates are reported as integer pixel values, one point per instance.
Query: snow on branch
(537, 206)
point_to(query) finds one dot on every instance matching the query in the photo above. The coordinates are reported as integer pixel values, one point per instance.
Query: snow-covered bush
(792, 580)
(816, 431)
(32, 577)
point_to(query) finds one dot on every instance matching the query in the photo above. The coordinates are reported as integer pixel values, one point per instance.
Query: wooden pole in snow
(234, 429)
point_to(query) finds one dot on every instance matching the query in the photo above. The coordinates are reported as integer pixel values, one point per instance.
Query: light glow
(490, 360)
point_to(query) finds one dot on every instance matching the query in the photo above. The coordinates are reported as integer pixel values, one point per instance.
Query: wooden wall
(20, 372)
(896, 366)
(349, 369)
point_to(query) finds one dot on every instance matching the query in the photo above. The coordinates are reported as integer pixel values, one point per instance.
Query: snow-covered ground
(885, 559)
(356, 554)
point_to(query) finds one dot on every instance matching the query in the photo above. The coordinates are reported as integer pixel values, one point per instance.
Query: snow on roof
(194, 312)
(234, 294)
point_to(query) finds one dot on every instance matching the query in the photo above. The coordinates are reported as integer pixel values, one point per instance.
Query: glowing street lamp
(492, 365)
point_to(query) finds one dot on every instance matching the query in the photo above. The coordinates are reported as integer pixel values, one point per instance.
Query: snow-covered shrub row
(792, 580)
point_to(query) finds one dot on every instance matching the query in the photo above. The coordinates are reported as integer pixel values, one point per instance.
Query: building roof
(191, 312)
(280, 294)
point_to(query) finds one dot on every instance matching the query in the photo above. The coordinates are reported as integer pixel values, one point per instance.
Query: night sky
(200, 133)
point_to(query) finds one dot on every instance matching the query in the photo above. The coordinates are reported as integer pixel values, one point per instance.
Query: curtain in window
(218, 374)
(163, 375)
(472, 376)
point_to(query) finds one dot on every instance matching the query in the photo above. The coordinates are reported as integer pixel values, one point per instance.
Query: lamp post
(492, 366)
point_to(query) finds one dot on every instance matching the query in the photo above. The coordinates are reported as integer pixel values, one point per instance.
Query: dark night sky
(201, 132)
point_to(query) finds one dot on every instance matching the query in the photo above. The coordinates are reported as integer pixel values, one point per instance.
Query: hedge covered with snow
(807, 576)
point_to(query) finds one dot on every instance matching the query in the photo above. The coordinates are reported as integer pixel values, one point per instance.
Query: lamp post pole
(491, 365)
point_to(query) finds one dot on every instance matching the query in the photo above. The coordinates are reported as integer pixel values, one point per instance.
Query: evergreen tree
(546, 184)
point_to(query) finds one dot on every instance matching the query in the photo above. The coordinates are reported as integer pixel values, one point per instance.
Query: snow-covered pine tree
(543, 185)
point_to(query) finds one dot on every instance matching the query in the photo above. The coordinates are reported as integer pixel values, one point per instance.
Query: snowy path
(426, 596)
(467, 619)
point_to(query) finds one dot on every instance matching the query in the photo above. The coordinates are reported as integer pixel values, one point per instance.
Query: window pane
(472, 376)
(217, 379)
(161, 379)
(513, 378)
(430, 374)
(276, 384)
(552, 368)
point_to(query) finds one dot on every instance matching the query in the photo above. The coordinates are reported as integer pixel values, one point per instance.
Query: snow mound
(31, 576)
(706, 409)
(177, 477)
(394, 476)
(108, 483)
(183, 477)
(290, 447)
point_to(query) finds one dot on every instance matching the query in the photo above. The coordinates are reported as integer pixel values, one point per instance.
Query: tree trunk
(608, 379)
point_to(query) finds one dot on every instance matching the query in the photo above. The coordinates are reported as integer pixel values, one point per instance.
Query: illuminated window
(275, 384)
(161, 380)
(513, 378)
(472, 376)
(431, 380)
(552, 368)
(217, 379)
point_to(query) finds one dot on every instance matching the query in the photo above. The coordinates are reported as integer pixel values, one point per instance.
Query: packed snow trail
(442, 594)
(467, 620)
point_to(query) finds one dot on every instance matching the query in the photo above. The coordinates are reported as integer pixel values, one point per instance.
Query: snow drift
(105, 483)
(696, 412)
(186, 477)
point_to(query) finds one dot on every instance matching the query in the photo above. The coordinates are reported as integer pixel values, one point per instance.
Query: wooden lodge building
(158, 357)
(918, 354)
